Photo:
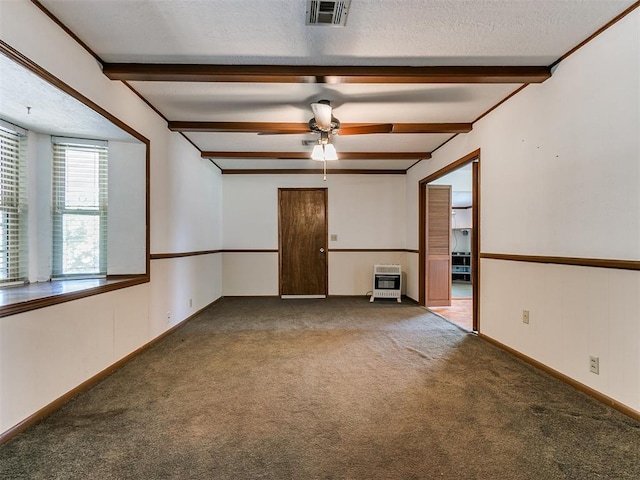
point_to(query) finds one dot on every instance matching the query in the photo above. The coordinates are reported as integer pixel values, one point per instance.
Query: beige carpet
(326, 389)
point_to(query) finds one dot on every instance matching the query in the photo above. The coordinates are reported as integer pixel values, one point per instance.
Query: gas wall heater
(387, 282)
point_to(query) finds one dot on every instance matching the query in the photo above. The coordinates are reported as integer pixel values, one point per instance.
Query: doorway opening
(454, 223)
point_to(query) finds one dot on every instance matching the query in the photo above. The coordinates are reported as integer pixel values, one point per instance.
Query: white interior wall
(412, 271)
(126, 237)
(39, 190)
(560, 169)
(461, 240)
(574, 313)
(249, 274)
(47, 352)
(351, 273)
(195, 222)
(189, 191)
(460, 179)
(462, 218)
(180, 287)
(364, 211)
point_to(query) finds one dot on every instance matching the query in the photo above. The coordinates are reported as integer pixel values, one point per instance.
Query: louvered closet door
(438, 255)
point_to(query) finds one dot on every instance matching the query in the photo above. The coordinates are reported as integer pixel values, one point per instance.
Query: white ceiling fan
(324, 121)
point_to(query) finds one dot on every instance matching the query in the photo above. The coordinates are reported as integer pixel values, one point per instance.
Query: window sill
(25, 298)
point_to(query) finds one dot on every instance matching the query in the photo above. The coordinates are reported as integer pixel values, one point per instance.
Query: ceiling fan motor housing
(314, 127)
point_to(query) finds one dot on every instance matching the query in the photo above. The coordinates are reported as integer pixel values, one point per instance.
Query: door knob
(321, 250)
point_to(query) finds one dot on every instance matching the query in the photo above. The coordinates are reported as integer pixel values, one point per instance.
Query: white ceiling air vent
(327, 12)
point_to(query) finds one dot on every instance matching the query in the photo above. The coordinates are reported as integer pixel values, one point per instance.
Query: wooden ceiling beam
(432, 127)
(240, 127)
(154, 72)
(314, 171)
(303, 128)
(306, 155)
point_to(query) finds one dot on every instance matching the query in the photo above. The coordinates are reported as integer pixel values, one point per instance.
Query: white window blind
(13, 207)
(79, 207)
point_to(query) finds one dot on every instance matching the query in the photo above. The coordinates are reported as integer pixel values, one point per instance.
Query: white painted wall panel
(40, 193)
(364, 211)
(368, 211)
(127, 209)
(47, 352)
(624, 337)
(411, 266)
(462, 218)
(189, 196)
(574, 312)
(250, 209)
(351, 273)
(560, 170)
(131, 327)
(563, 155)
(250, 274)
(176, 281)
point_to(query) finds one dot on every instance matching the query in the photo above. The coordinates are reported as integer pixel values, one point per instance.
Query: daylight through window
(79, 208)
(13, 207)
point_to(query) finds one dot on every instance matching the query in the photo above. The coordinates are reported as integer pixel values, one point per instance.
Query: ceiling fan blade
(301, 131)
(322, 113)
(426, 94)
(401, 94)
(365, 129)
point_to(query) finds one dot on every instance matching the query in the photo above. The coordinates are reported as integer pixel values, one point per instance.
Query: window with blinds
(79, 208)
(13, 207)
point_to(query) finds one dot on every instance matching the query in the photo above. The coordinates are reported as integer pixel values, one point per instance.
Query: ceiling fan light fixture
(323, 152)
(330, 152)
(318, 153)
(322, 114)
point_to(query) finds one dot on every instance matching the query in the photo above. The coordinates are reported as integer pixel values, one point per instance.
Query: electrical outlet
(525, 316)
(168, 317)
(594, 365)
(334, 237)
(190, 302)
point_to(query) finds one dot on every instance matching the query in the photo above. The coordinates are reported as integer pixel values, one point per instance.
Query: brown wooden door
(438, 243)
(303, 241)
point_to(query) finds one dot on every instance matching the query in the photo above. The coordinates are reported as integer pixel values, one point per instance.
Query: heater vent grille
(387, 269)
(327, 12)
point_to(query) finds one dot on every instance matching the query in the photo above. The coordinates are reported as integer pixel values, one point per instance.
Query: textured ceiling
(483, 33)
(50, 111)
(389, 32)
